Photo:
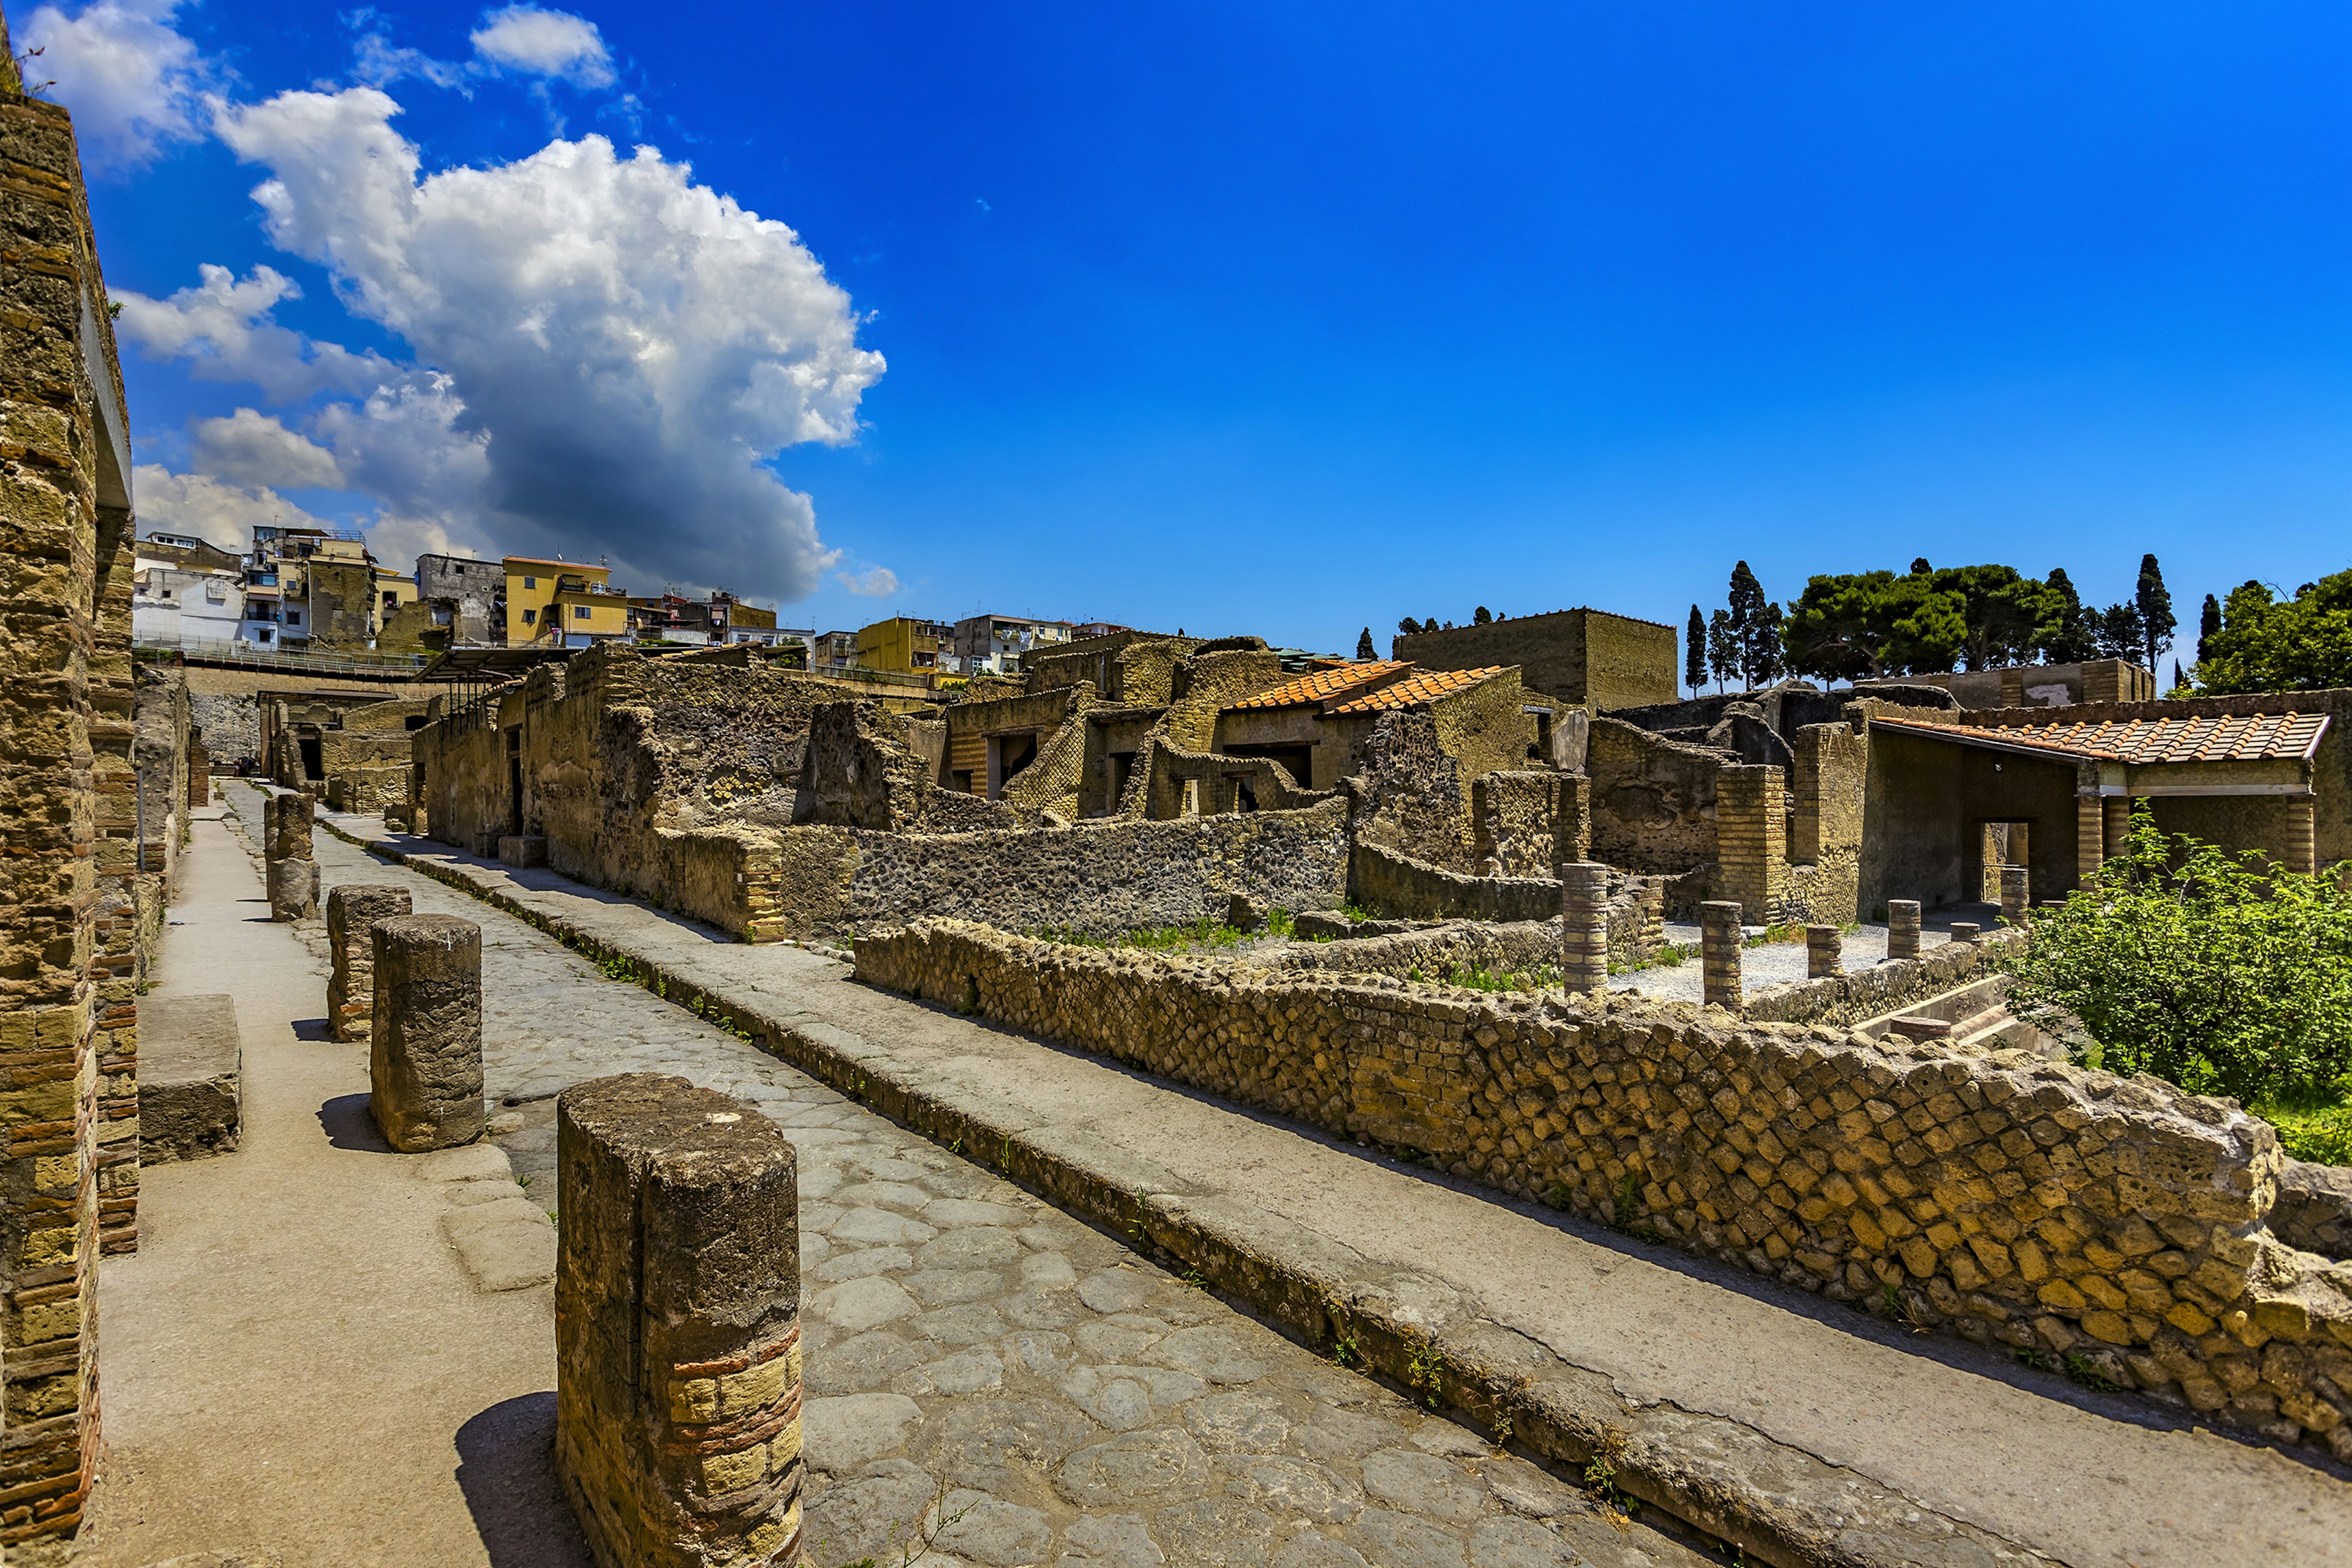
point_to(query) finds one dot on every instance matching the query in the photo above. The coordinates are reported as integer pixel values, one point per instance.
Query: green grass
(1479, 978)
(1199, 933)
(1670, 955)
(2318, 1131)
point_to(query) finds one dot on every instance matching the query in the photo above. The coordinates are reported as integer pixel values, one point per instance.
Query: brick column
(678, 1382)
(1825, 950)
(424, 1054)
(1751, 839)
(352, 911)
(2302, 835)
(1584, 927)
(2016, 894)
(2090, 839)
(2115, 825)
(1575, 833)
(1902, 928)
(1719, 953)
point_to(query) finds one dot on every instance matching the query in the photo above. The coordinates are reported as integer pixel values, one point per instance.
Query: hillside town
(502, 1067)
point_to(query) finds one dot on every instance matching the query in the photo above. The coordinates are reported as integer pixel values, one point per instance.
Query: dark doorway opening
(313, 765)
(514, 783)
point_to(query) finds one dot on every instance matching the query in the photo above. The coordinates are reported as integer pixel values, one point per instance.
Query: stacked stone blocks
(352, 911)
(1751, 838)
(677, 1326)
(1994, 1194)
(1719, 935)
(1902, 928)
(1584, 927)
(292, 875)
(424, 1054)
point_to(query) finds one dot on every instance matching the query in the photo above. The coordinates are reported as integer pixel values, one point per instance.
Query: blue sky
(1256, 318)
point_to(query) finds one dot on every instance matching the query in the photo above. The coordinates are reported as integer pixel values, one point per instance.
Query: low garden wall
(1857, 994)
(2060, 1210)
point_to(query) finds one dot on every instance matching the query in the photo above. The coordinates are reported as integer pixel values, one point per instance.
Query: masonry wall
(68, 822)
(2000, 1198)
(1576, 656)
(1654, 804)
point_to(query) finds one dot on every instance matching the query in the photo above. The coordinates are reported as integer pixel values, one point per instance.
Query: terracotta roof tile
(1424, 686)
(2240, 738)
(1324, 685)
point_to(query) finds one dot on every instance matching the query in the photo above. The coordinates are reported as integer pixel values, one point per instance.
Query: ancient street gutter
(1777, 1502)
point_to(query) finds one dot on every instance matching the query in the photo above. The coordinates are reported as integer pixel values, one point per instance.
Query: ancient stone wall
(1409, 796)
(1654, 805)
(68, 815)
(1855, 995)
(232, 728)
(1392, 883)
(1516, 822)
(2001, 1197)
(1576, 656)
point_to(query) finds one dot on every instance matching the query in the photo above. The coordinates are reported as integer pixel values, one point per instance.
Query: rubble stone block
(351, 910)
(1584, 927)
(190, 1065)
(1825, 950)
(485, 843)
(1310, 924)
(1719, 935)
(678, 1434)
(293, 889)
(425, 1057)
(287, 824)
(522, 849)
(1966, 930)
(1244, 912)
(1902, 928)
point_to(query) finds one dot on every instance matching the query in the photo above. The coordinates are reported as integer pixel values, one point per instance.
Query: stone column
(2302, 835)
(424, 1054)
(1824, 951)
(1751, 838)
(2090, 839)
(1584, 927)
(351, 910)
(1966, 930)
(292, 875)
(2115, 827)
(2015, 894)
(1902, 928)
(678, 1382)
(1719, 953)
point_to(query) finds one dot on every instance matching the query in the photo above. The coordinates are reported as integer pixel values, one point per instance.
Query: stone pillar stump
(1824, 951)
(293, 889)
(1966, 930)
(351, 910)
(1902, 928)
(1584, 927)
(678, 1382)
(286, 821)
(424, 1055)
(2016, 894)
(1719, 953)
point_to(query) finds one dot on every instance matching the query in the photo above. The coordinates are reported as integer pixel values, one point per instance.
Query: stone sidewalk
(1079, 1406)
(1807, 1432)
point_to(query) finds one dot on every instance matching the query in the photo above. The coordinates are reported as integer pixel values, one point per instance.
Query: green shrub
(2223, 973)
(2321, 1134)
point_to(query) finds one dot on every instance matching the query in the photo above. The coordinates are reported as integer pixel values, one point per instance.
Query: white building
(185, 594)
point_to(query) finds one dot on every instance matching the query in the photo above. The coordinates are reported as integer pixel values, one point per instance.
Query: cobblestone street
(1080, 1406)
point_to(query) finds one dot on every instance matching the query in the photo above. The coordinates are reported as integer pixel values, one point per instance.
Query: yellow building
(904, 643)
(393, 589)
(561, 604)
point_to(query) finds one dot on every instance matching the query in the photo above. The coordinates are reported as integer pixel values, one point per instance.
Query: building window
(579, 611)
(531, 581)
(530, 618)
(293, 618)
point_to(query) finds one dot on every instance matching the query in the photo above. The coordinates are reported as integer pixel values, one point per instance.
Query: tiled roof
(1425, 687)
(1324, 685)
(2241, 738)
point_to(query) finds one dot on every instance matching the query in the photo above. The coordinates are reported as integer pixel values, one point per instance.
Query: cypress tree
(2209, 621)
(1695, 651)
(1364, 648)
(2153, 602)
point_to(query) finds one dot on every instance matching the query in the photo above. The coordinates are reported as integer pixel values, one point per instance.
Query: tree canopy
(1870, 624)
(2268, 644)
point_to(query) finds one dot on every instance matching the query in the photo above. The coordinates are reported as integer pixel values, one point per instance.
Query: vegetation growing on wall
(2223, 973)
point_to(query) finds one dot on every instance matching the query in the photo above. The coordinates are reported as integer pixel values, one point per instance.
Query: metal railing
(253, 655)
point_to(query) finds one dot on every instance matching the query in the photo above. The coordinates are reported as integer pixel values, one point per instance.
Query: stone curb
(1777, 1502)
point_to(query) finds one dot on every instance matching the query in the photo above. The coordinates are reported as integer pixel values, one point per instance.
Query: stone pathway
(1784, 1413)
(1080, 1407)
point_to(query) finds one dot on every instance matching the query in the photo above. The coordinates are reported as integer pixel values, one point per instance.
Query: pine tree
(1408, 626)
(2153, 602)
(1480, 618)
(2208, 623)
(1364, 648)
(1722, 648)
(1750, 627)
(1920, 567)
(1694, 652)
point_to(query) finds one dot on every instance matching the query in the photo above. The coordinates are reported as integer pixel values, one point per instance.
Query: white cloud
(223, 325)
(133, 83)
(878, 584)
(615, 351)
(252, 449)
(545, 42)
(202, 505)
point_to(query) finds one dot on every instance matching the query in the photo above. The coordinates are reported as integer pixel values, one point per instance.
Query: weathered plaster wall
(1653, 799)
